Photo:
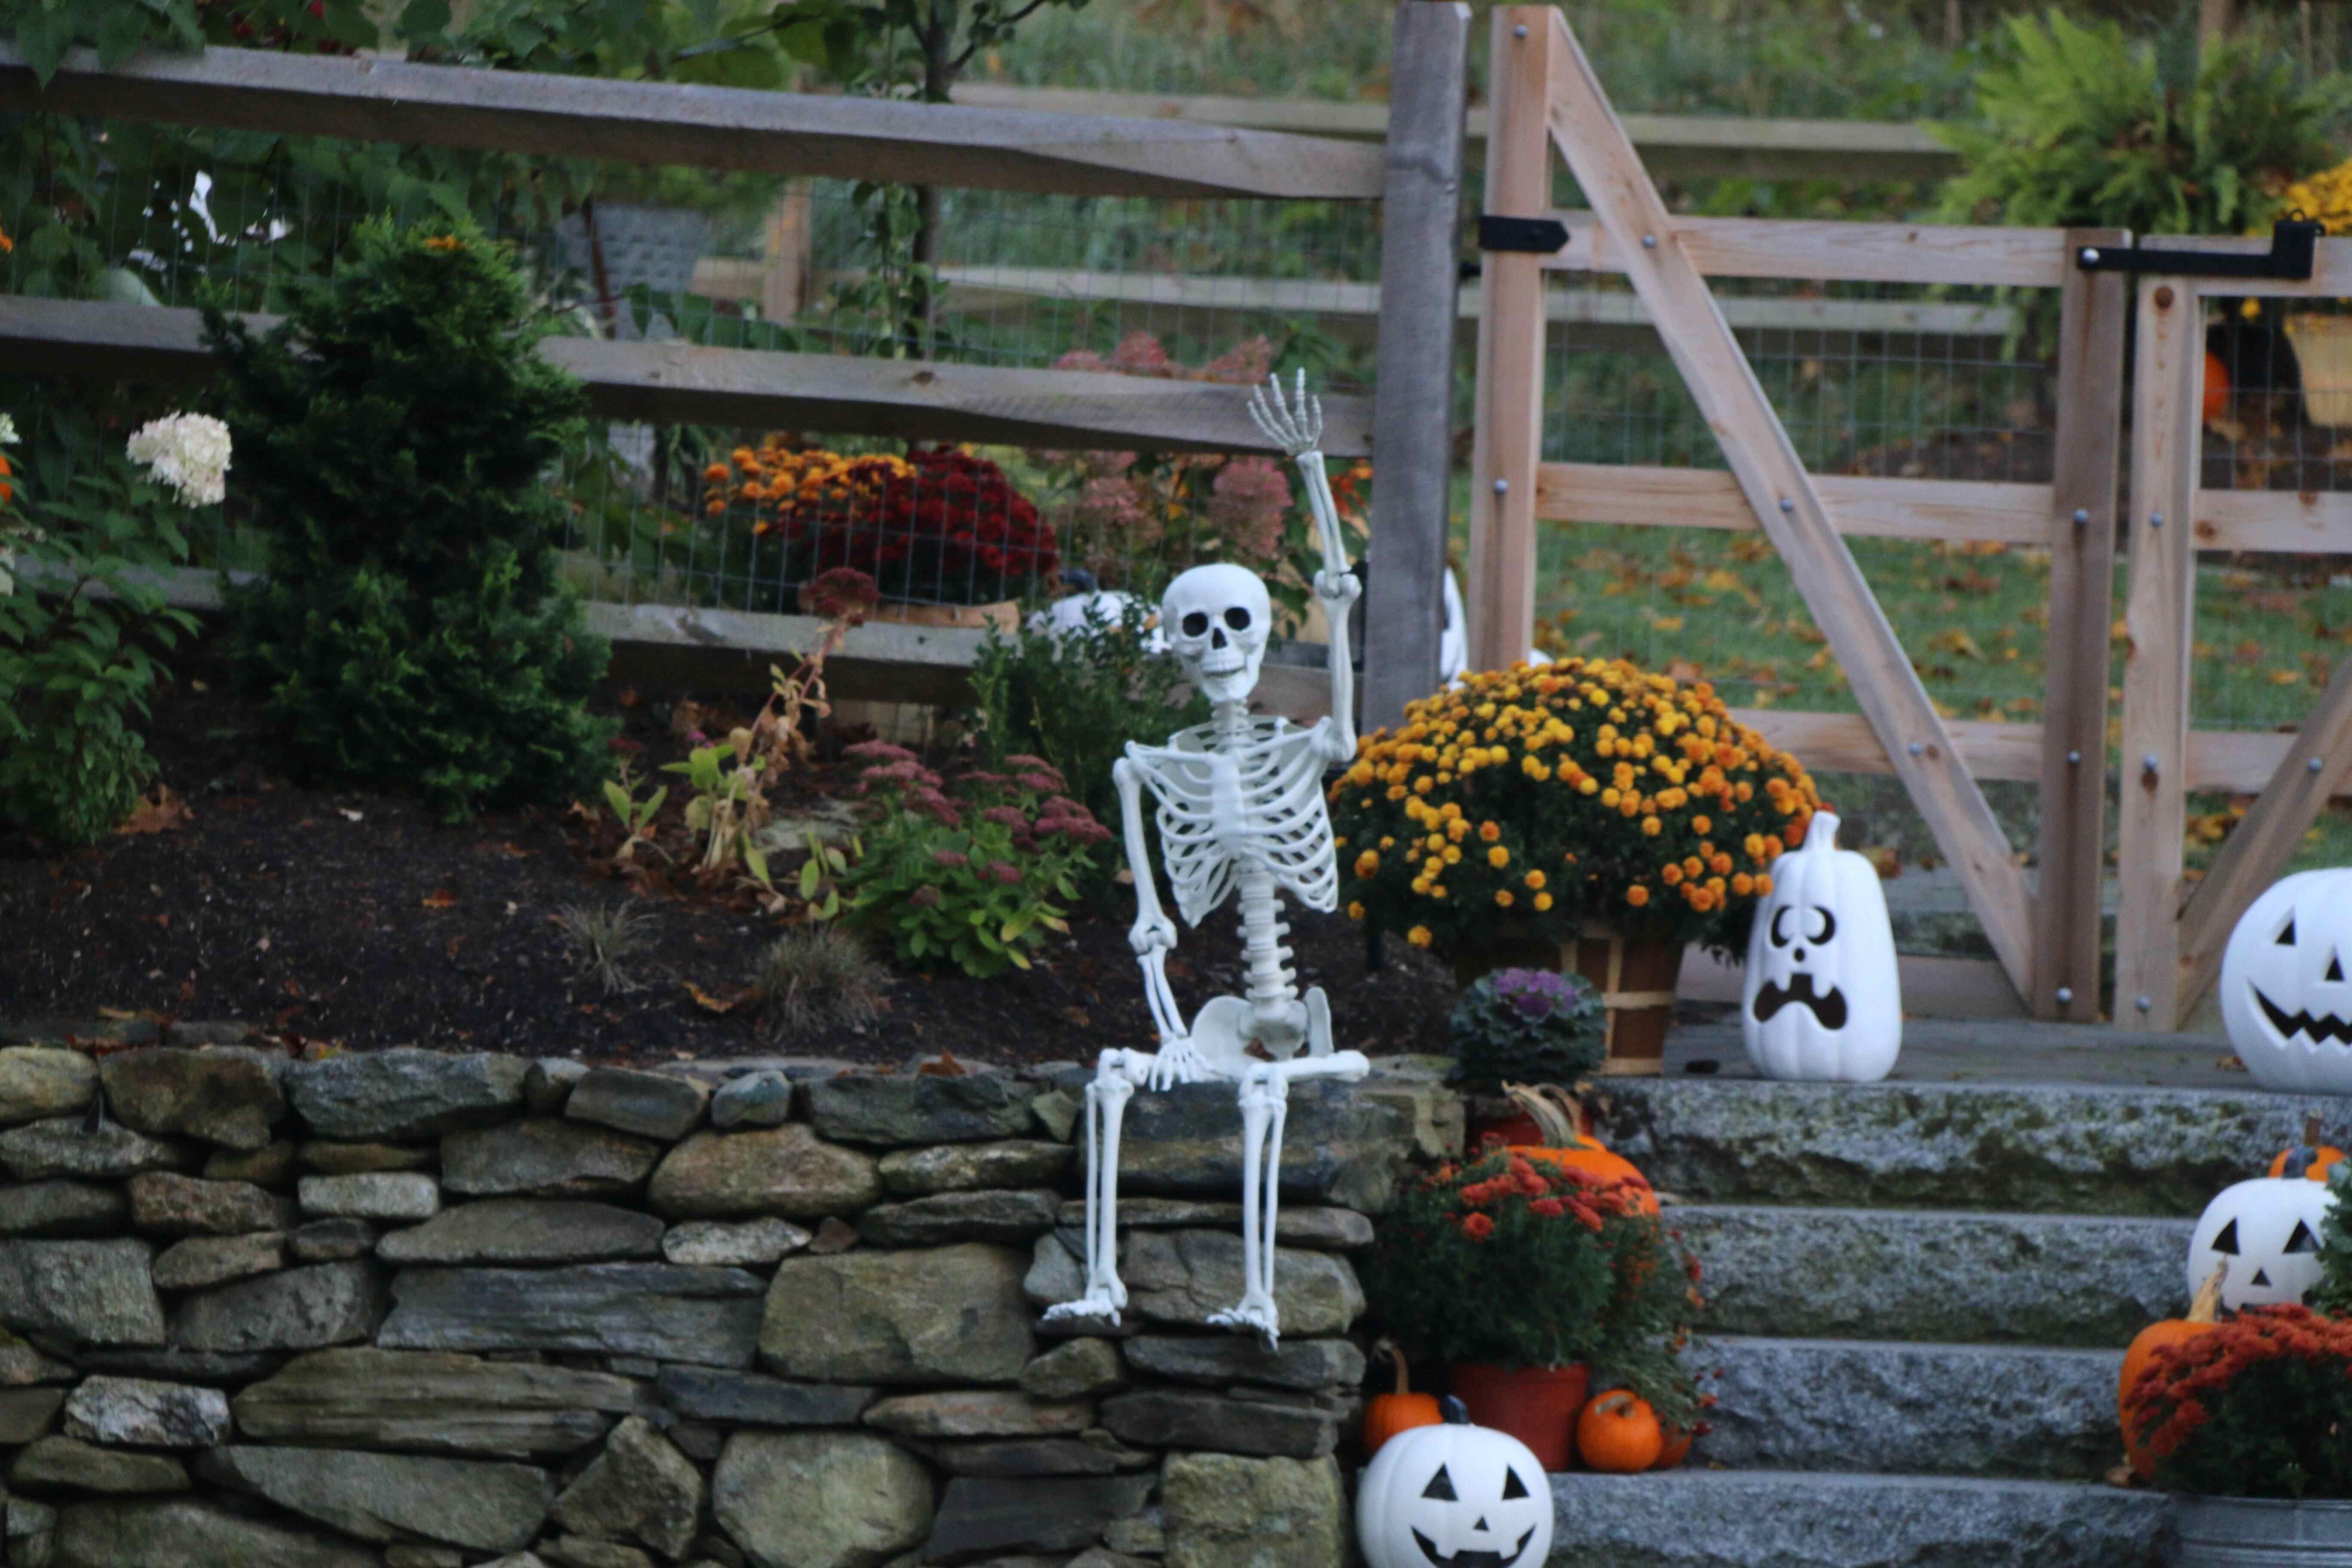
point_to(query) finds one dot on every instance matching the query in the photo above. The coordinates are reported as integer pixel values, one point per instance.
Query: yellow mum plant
(1534, 799)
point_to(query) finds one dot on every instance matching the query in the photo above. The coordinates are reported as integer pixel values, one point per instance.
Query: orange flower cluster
(2185, 1383)
(1592, 787)
(1563, 1193)
(776, 482)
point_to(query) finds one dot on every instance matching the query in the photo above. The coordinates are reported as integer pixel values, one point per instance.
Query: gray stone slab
(393, 1195)
(978, 1514)
(526, 1230)
(59, 1207)
(941, 1217)
(426, 1402)
(1338, 1147)
(743, 1243)
(960, 1167)
(1219, 1359)
(1981, 1410)
(707, 1317)
(64, 1146)
(762, 1099)
(820, 1499)
(202, 1260)
(787, 1173)
(77, 1466)
(404, 1093)
(489, 1507)
(979, 1412)
(1915, 1274)
(946, 1314)
(1025, 1457)
(190, 1534)
(1188, 1419)
(867, 1108)
(658, 1105)
(640, 1487)
(1694, 1517)
(751, 1399)
(2028, 1148)
(1218, 1510)
(37, 1082)
(171, 1204)
(143, 1412)
(301, 1308)
(89, 1292)
(546, 1159)
(331, 1158)
(1315, 1229)
(1181, 1277)
(332, 1240)
(26, 1413)
(230, 1097)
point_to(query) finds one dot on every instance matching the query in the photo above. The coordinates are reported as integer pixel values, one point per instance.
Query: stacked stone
(411, 1309)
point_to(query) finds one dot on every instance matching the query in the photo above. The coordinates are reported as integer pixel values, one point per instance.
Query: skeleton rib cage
(1259, 802)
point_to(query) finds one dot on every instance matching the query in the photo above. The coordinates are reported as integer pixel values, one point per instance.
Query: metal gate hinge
(1542, 235)
(2293, 252)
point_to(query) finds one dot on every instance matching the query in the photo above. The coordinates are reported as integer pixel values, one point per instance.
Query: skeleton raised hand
(1240, 813)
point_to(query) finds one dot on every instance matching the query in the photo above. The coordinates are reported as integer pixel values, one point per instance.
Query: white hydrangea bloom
(188, 452)
(8, 431)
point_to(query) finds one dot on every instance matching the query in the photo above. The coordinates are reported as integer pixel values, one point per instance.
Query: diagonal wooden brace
(1773, 478)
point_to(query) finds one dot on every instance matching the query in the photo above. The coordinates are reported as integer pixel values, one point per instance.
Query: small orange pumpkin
(1386, 1414)
(6, 493)
(1568, 1141)
(2204, 1313)
(2217, 388)
(2311, 1159)
(1619, 1433)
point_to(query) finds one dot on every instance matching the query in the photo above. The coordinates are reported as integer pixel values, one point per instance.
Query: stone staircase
(1921, 1292)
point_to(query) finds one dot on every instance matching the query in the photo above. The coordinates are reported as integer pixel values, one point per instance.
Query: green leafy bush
(1076, 699)
(392, 435)
(1501, 1262)
(968, 880)
(2080, 125)
(75, 669)
(2332, 1295)
(1527, 1025)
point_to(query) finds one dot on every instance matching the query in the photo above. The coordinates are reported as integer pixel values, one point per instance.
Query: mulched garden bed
(355, 920)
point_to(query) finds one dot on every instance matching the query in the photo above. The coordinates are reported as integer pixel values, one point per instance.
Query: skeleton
(1240, 815)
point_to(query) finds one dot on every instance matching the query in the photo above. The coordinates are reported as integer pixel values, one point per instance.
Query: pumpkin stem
(1556, 1129)
(1457, 1413)
(2207, 1306)
(1395, 1353)
(2311, 1130)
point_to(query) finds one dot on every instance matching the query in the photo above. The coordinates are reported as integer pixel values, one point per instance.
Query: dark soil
(355, 919)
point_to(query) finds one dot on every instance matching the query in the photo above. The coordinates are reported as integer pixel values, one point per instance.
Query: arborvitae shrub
(394, 435)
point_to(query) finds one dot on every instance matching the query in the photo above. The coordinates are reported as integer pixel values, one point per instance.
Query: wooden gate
(1547, 95)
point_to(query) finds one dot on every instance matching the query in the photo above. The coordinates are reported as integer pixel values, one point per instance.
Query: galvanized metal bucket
(2261, 1533)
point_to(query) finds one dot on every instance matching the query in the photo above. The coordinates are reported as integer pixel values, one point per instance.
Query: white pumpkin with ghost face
(2264, 1237)
(1821, 998)
(2285, 999)
(1454, 1495)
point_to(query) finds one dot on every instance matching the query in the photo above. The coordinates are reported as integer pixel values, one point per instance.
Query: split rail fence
(2047, 937)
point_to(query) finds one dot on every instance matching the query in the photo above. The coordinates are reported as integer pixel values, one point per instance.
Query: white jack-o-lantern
(1454, 1495)
(2264, 1236)
(1822, 999)
(2285, 999)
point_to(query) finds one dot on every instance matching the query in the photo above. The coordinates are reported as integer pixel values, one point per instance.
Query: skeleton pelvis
(1229, 1034)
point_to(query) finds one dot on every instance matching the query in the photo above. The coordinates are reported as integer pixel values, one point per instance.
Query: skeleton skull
(1217, 619)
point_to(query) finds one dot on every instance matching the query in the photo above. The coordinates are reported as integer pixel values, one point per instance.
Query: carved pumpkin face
(1454, 1495)
(1822, 997)
(2286, 997)
(2265, 1235)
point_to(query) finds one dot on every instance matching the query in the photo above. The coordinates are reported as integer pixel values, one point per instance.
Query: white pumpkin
(2264, 1234)
(1821, 998)
(1454, 1495)
(2285, 999)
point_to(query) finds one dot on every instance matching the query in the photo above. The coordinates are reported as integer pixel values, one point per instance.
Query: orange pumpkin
(2311, 1159)
(1678, 1449)
(6, 493)
(2203, 1314)
(1619, 1433)
(1386, 1414)
(1569, 1143)
(2216, 386)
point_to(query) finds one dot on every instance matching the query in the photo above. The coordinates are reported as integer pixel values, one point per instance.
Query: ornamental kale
(1527, 1025)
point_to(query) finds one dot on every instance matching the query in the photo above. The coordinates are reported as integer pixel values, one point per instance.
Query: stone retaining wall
(413, 1310)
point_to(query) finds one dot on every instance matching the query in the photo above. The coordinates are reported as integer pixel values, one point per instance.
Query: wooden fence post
(2072, 849)
(1412, 400)
(2158, 614)
(1501, 592)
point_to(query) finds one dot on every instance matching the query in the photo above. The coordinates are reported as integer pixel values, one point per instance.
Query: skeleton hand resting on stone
(1240, 816)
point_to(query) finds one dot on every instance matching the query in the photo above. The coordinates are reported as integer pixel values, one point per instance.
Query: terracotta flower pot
(1537, 1404)
(1635, 979)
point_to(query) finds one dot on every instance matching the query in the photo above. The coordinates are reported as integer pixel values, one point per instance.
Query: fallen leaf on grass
(160, 813)
(440, 899)
(943, 1066)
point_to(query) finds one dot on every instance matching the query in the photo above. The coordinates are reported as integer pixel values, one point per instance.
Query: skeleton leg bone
(1116, 1078)
(1266, 1107)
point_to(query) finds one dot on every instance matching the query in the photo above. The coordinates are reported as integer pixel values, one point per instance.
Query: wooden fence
(1415, 174)
(2047, 937)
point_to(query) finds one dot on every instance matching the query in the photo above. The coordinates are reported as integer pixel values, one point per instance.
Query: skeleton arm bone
(1296, 425)
(1153, 933)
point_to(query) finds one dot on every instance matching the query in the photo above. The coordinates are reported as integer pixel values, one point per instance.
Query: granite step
(1910, 1409)
(2031, 1148)
(1767, 1518)
(2091, 1282)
